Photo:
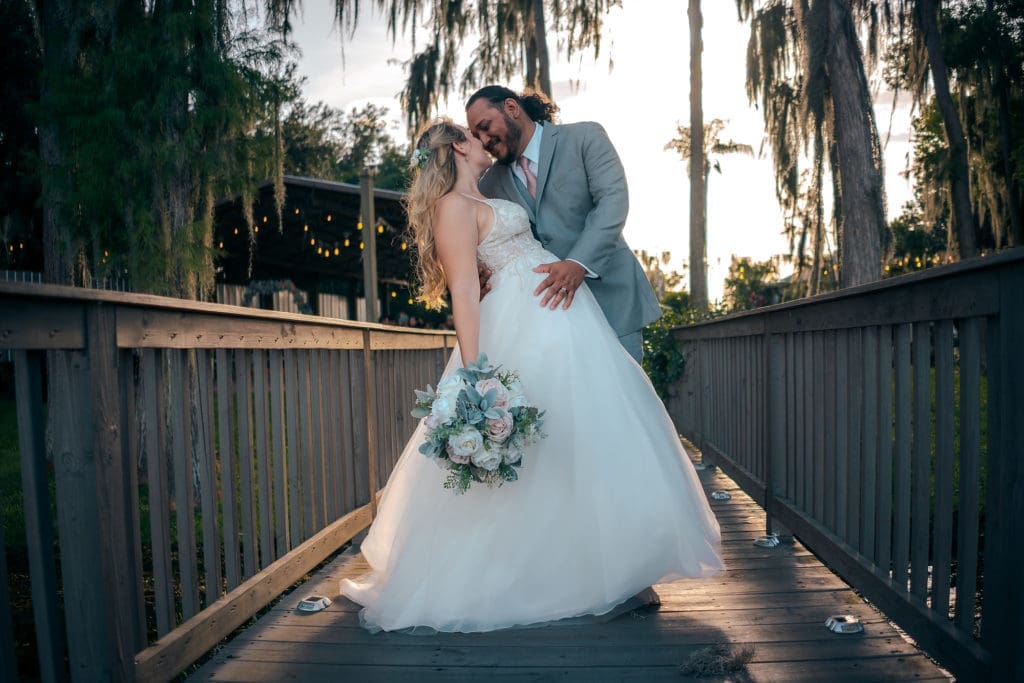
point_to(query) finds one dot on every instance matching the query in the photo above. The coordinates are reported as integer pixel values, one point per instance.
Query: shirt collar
(532, 151)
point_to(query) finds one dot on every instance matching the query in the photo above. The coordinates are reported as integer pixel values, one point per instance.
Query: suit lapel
(516, 191)
(547, 151)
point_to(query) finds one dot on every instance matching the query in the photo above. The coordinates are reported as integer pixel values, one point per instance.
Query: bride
(605, 506)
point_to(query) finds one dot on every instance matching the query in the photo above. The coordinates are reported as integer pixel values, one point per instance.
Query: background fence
(884, 426)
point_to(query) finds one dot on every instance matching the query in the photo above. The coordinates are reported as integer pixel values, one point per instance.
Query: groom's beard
(513, 135)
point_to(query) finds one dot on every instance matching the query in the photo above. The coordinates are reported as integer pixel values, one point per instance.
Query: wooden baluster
(904, 432)
(35, 486)
(942, 539)
(970, 466)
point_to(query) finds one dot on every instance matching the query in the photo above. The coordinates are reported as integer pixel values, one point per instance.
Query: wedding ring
(563, 289)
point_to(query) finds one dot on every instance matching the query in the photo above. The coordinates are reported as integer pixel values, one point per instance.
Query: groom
(572, 184)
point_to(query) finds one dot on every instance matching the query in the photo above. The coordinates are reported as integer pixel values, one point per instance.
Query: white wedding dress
(605, 506)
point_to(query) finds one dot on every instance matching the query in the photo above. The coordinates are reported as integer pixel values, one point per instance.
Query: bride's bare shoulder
(454, 211)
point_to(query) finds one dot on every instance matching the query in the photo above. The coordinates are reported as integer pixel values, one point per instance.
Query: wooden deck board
(774, 600)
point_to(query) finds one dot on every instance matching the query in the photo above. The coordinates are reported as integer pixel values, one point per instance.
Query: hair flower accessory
(420, 155)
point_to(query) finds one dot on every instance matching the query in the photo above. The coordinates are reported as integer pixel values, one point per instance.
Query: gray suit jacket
(579, 213)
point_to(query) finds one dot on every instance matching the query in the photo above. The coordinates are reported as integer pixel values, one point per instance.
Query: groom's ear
(512, 107)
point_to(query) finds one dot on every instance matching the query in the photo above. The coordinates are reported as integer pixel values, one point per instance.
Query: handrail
(218, 452)
(882, 425)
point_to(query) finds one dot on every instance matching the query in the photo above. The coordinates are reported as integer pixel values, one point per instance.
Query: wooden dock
(775, 600)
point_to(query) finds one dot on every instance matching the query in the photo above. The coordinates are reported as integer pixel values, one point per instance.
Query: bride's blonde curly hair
(433, 178)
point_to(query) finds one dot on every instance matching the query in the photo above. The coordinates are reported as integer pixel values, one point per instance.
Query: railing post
(115, 511)
(1004, 511)
(92, 510)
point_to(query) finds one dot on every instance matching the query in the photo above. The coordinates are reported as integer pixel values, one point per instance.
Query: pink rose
(460, 459)
(485, 385)
(499, 429)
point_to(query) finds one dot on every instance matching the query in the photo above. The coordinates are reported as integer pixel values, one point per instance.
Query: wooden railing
(884, 426)
(202, 459)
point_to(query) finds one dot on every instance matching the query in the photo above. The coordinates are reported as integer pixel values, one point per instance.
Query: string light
(312, 241)
(305, 228)
(346, 242)
(329, 217)
(296, 212)
(359, 225)
(220, 245)
(337, 251)
(319, 250)
(404, 246)
(410, 302)
(255, 228)
(264, 219)
(394, 294)
(380, 229)
(236, 231)
(361, 245)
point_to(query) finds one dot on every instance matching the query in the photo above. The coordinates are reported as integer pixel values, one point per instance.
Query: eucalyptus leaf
(419, 412)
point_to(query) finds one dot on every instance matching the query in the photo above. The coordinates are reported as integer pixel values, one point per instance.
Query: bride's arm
(455, 237)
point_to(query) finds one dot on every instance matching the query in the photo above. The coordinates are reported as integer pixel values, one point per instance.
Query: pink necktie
(531, 179)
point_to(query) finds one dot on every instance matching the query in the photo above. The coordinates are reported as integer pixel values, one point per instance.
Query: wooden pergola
(322, 242)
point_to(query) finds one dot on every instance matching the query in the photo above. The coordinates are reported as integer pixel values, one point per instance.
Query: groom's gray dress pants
(634, 344)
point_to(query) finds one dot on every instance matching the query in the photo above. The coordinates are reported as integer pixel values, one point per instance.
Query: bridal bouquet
(478, 423)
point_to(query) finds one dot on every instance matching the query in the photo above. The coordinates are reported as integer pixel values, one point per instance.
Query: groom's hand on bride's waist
(560, 285)
(485, 275)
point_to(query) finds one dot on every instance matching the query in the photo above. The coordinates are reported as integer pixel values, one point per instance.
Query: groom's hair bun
(535, 103)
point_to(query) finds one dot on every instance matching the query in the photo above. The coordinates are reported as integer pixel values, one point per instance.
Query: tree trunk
(540, 35)
(928, 21)
(814, 282)
(1015, 236)
(860, 162)
(698, 166)
(59, 50)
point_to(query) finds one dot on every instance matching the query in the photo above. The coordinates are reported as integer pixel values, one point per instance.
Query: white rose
(485, 385)
(516, 397)
(488, 460)
(443, 409)
(432, 422)
(499, 429)
(512, 456)
(450, 386)
(464, 444)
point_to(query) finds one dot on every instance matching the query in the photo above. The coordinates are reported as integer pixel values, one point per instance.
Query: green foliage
(662, 360)
(983, 46)
(749, 284)
(154, 122)
(915, 244)
(322, 142)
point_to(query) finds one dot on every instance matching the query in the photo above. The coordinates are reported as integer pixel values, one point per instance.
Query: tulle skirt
(605, 506)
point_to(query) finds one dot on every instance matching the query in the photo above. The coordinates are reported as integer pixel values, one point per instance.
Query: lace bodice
(510, 237)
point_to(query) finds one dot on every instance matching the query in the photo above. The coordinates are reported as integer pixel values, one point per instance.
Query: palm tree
(512, 41)
(711, 148)
(806, 68)
(698, 165)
